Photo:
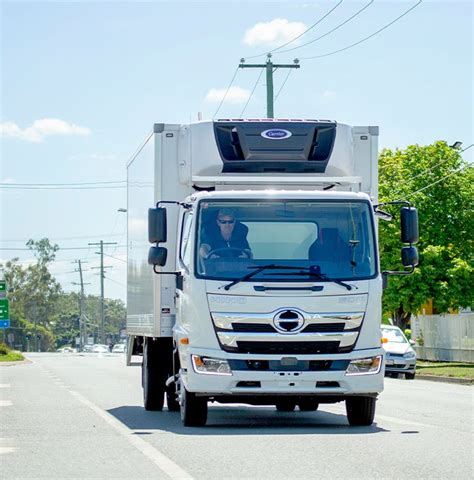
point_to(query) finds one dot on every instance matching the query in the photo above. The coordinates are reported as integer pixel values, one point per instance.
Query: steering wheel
(233, 252)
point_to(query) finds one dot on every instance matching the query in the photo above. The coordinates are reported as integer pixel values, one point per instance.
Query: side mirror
(412, 342)
(157, 256)
(157, 225)
(409, 224)
(410, 256)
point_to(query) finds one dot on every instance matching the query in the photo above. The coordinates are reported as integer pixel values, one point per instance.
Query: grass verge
(11, 357)
(445, 369)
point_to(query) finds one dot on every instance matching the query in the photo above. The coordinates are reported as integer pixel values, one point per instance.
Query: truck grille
(260, 333)
(284, 347)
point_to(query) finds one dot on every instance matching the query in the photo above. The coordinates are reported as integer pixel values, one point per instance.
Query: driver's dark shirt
(237, 239)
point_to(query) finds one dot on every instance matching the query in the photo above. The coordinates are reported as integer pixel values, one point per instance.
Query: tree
(33, 293)
(446, 270)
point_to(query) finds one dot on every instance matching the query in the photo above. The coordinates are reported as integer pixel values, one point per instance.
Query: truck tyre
(360, 411)
(410, 376)
(308, 405)
(171, 398)
(285, 405)
(193, 409)
(153, 376)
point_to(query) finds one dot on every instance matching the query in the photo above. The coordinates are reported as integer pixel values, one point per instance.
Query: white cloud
(42, 128)
(273, 33)
(235, 95)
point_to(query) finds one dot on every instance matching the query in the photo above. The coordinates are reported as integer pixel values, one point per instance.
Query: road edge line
(165, 464)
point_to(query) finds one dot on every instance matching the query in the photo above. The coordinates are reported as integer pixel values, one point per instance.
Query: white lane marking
(165, 464)
(400, 422)
(6, 403)
(7, 450)
(5, 385)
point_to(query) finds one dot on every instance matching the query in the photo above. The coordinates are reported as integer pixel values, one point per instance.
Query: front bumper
(282, 382)
(400, 365)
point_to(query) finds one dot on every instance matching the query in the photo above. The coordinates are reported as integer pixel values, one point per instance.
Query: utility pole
(82, 323)
(102, 277)
(270, 68)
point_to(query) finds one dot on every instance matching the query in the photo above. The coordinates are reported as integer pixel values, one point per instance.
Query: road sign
(4, 309)
(4, 323)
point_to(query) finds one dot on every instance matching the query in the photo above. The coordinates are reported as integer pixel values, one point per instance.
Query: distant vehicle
(100, 348)
(66, 350)
(400, 356)
(119, 348)
(88, 348)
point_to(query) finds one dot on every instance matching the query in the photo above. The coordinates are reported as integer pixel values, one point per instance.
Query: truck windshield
(334, 238)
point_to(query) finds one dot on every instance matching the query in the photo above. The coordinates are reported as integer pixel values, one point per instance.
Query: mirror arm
(404, 272)
(165, 273)
(394, 202)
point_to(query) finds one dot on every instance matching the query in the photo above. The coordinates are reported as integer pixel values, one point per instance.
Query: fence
(444, 337)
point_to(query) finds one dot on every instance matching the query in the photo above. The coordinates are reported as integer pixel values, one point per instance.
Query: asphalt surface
(81, 416)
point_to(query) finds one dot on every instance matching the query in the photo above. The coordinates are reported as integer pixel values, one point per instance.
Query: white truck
(265, 286)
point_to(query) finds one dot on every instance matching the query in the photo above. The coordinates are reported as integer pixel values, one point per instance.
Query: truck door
(184, 261)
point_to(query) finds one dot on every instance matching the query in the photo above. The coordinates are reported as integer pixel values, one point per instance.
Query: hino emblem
(288, 321)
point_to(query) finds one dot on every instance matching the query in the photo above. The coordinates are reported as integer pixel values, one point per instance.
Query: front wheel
(193, 409)
(410, 376)
(360, 411)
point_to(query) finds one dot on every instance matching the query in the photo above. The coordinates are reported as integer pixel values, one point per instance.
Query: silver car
(399, 354)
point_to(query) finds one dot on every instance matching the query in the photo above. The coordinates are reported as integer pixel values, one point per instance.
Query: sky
(83, 82)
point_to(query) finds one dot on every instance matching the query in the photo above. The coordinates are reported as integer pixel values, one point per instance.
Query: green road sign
(3, 286)
(4, 309)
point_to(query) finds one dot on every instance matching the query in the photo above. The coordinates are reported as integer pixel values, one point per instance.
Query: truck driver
(227, 239)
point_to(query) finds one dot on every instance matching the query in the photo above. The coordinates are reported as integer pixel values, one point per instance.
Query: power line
(115, 281)
(226, 92)
(366, 38)
(330, 31)
(283, 84)
(140, 148)
(251, 94)
(9, 187)
(116, 258)
(437, 165)
(62, 238)
(438, 181)
(63, 184)
(299, 36)
(60, 248)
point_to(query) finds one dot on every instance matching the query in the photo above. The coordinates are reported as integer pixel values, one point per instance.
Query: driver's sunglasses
(223, 222)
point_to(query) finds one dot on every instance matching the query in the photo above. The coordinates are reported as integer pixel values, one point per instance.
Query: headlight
(365, 366)
(409, 355)
(210, 366)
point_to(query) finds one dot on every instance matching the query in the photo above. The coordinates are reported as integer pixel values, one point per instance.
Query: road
(81, 416)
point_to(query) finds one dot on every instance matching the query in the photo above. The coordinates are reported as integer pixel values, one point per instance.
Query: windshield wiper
(313, 272)
(257, 270)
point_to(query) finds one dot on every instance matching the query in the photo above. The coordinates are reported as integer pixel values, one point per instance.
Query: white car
(100, 348)
(119, 348)
(400, 356)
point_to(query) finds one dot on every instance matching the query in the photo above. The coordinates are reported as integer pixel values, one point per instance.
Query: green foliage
(446, 268)
(4, 349)
(43, 316)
